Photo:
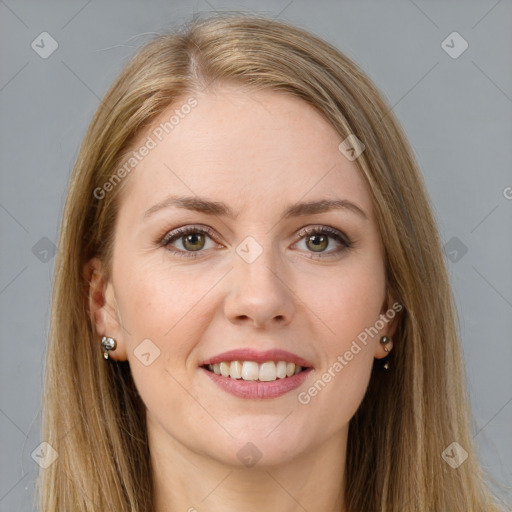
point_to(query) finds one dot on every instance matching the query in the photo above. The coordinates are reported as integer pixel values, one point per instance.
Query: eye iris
(192, 238)
(322, 245)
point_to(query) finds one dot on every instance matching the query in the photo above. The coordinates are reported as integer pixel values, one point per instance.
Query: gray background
(456, 112)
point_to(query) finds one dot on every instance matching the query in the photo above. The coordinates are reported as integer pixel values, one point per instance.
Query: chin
(258, 447)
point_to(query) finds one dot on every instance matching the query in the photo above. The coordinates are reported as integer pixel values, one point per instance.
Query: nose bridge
(256, 264)
(258, 290)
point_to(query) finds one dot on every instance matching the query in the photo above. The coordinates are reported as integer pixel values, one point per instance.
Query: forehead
(257, 147)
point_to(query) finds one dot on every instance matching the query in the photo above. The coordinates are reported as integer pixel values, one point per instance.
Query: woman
(251, 308)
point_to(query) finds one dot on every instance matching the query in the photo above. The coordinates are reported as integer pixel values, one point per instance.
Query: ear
(391, 314)
(103, 311)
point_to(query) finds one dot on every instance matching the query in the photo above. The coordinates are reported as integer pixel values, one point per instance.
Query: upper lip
(248, 354)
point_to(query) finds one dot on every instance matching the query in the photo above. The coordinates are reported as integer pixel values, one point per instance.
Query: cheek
(346, 303)
(160, 307)
(158, 301)
(336, 393)
(345, 300)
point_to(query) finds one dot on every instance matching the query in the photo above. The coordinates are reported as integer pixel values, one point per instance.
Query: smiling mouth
(252, 371)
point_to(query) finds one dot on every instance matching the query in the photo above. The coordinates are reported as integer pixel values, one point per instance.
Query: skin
(259, 152)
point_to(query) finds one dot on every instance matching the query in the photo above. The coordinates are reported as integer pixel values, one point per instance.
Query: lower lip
(256, 389)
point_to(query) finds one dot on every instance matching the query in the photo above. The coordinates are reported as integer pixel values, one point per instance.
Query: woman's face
(254, 281)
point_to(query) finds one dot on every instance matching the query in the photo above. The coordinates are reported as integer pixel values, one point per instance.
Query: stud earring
(108, 344)
(385, 340)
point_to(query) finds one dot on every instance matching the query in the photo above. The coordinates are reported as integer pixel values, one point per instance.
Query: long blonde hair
(93, 415)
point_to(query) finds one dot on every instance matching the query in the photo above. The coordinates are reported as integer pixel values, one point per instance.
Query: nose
(260, 292)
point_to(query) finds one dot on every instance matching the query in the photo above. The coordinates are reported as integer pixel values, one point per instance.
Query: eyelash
(324, 230)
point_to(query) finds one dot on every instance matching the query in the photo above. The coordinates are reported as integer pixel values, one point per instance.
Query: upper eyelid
(177, 233)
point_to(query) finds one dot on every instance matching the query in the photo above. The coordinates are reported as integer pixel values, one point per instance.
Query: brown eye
(191, 240)
(317, 240)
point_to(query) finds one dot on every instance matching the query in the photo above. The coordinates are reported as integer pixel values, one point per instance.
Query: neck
(188, 481)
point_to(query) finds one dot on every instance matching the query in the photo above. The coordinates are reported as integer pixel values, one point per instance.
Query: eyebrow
(203, 205)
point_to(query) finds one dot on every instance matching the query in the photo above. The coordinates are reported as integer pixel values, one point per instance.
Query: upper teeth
(250, 370)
